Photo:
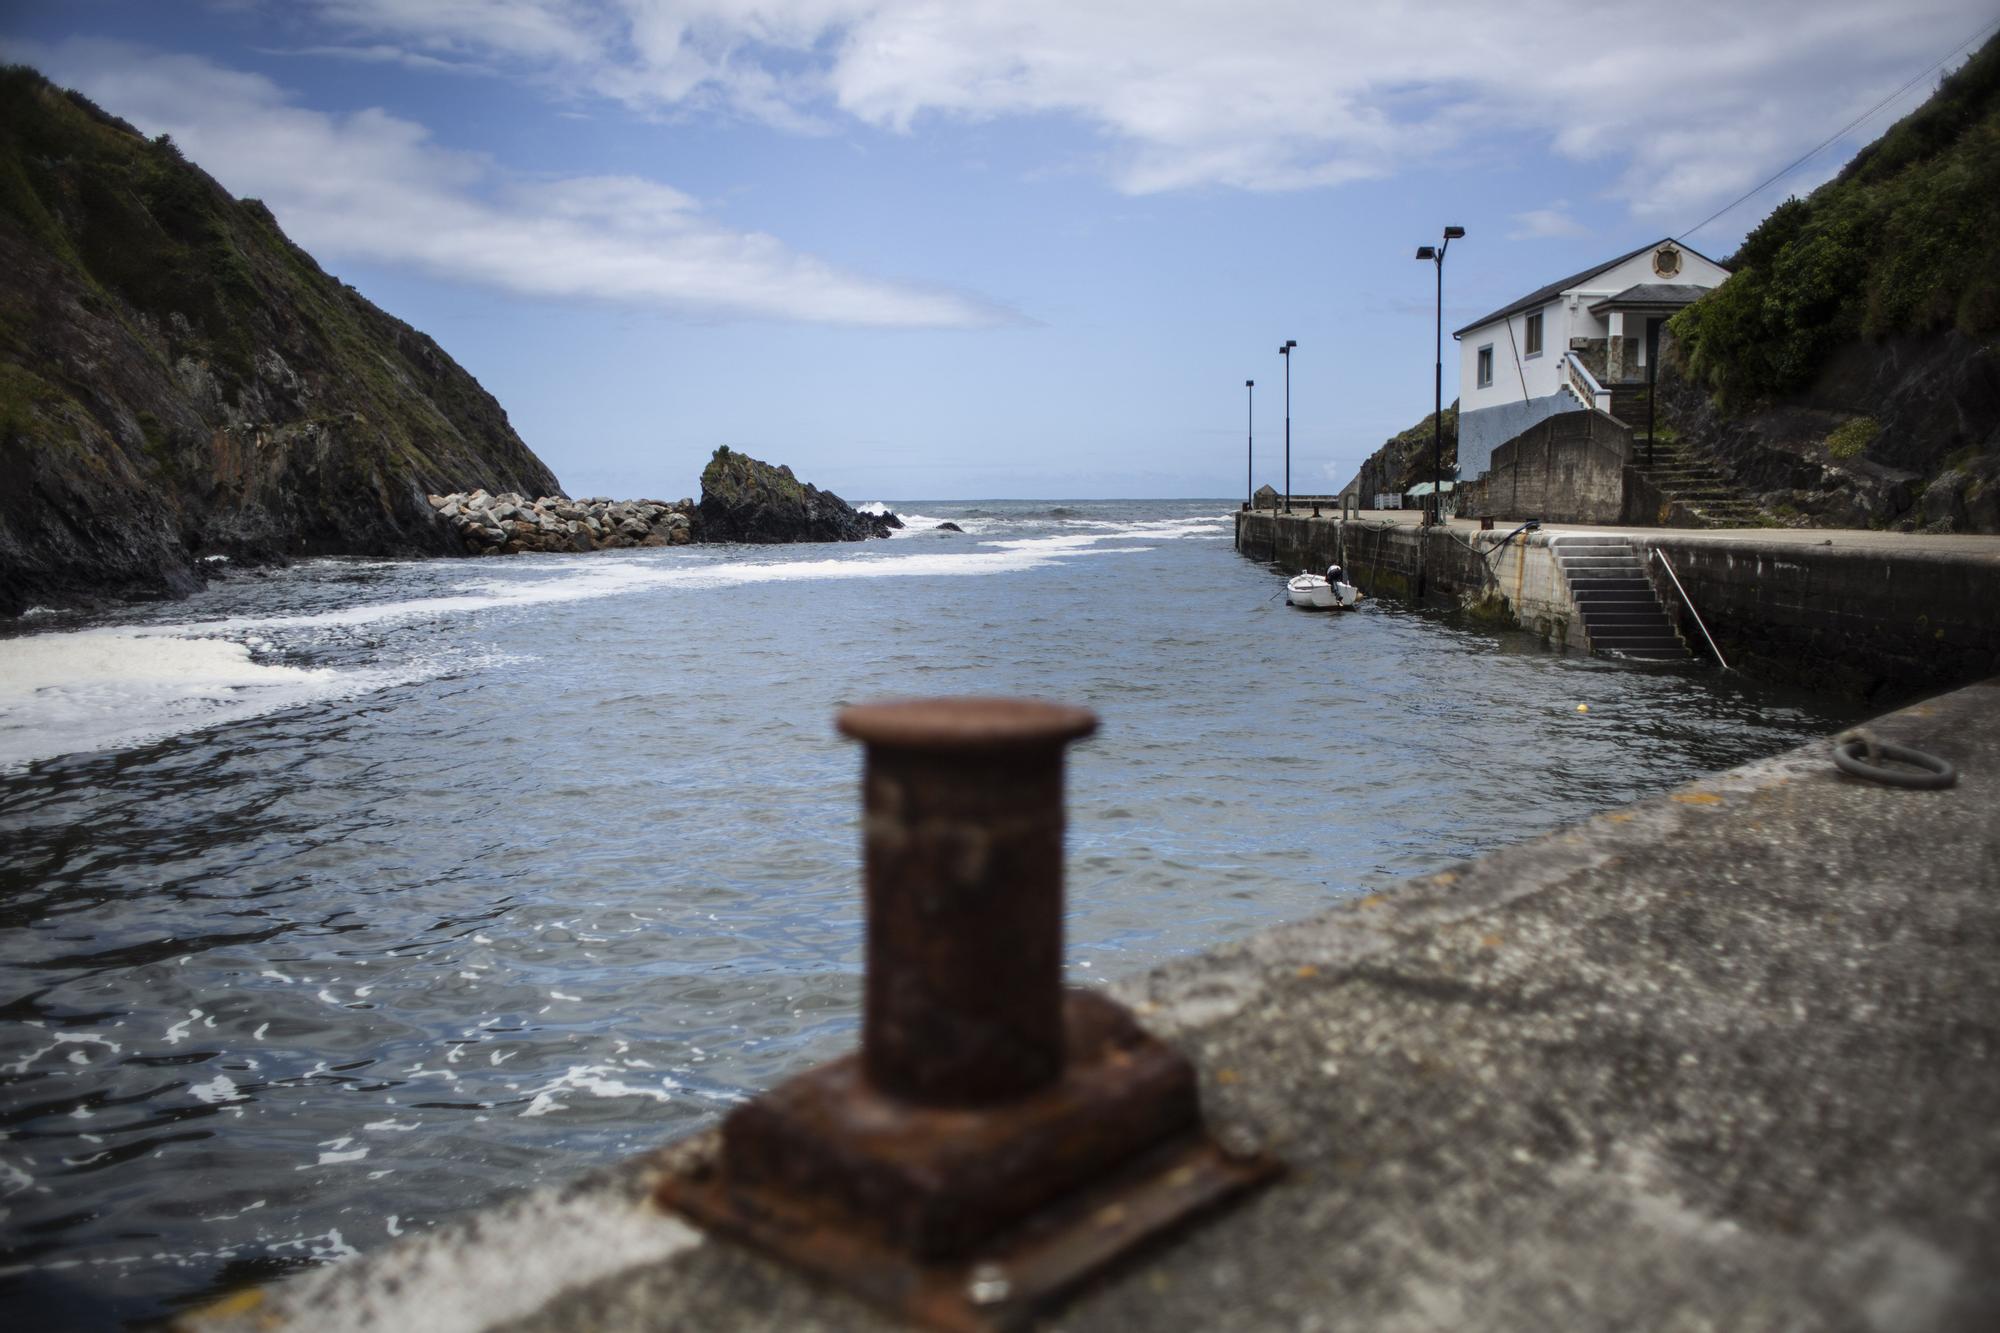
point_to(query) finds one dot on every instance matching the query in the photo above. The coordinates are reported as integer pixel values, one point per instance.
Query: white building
(1564, 347)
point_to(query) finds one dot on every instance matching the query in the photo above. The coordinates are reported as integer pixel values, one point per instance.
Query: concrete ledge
(1728, 1059)
(1851, 618)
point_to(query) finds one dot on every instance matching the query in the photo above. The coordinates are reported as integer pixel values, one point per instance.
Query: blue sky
(987, 248)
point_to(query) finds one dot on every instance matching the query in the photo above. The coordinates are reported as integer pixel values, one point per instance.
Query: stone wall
(1485, 429)
(1570, 468)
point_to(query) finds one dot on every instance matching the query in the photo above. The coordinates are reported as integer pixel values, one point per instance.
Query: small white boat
(1314, 593)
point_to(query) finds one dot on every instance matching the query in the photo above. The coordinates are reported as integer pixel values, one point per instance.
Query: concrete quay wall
(1517, 584)
(1725, 1059)
(1854, 620)
(1573, 467)
(1857, 614)
(1388, 559)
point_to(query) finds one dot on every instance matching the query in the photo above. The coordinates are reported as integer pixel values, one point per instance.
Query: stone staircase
(1683, 475)
(1687, 477)
(1621, 614)
(1628, 404)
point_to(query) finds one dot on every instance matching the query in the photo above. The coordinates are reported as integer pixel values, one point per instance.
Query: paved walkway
(1972, 544)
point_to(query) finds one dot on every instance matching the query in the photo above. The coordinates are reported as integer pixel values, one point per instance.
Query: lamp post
(1286, 352)
(1435, 253)
(1249, 443)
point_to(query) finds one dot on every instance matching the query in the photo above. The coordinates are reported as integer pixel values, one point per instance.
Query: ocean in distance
(344, 897)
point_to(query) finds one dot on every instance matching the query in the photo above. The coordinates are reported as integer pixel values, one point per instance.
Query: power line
(1837, 135)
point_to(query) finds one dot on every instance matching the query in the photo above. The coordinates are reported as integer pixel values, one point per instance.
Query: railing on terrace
(1576, 377)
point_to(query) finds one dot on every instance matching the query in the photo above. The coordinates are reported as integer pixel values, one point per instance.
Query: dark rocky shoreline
(182, 388)
(179, 382)
(742, 500)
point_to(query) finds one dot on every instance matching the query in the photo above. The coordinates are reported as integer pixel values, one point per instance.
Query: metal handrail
(1669, 565)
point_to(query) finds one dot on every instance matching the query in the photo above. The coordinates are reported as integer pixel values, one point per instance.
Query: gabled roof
(1652, 295)
(1543, 295)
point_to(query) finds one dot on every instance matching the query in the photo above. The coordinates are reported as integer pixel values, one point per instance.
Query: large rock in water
(743, 500)
(178, 380)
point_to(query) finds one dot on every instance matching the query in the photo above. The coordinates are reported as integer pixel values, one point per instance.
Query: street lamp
(1249, 443)
(1436, 255)
(1286, 352)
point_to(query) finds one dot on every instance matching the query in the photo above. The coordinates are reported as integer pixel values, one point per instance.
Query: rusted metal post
(963, 846)
(998, 1138)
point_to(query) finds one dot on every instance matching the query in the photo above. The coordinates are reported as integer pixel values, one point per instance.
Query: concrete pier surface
(1975, 544)
(1728, 1059)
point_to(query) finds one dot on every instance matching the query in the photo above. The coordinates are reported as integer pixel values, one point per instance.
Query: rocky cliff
(178, 380)
(1406, 458)
(1849, 372)
(743, 500)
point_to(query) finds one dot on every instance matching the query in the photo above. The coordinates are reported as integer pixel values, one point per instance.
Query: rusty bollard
(998, 1138)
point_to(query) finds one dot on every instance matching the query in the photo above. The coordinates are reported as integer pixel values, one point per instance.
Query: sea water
(343, 897)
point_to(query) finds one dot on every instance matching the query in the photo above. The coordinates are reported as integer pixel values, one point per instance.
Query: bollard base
(970, 1219)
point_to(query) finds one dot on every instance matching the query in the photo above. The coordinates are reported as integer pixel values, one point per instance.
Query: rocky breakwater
(510, 524)
(744, 500)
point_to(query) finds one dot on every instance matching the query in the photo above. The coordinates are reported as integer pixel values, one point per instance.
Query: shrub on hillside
(1900, 242)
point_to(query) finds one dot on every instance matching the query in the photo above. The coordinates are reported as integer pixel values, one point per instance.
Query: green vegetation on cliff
(1902, 242)
(1405, 459)
(178, 379)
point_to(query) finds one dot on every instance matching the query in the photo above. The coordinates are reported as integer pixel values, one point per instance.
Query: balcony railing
(1576, 377)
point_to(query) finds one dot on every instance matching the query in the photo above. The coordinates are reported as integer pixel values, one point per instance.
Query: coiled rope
(1850, 746)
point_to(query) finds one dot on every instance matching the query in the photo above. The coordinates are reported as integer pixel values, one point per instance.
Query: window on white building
(1486, 366)
(1534, 336)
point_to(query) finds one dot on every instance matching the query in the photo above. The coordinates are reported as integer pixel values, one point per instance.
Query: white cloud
(540, 30)
(1538, 223)
(383, 54)
(373, 186)
(1680, 106)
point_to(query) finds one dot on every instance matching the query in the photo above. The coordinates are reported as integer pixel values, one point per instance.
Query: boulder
(745, 500)
(947, 526)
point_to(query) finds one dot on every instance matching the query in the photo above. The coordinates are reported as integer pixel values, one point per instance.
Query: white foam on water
(912, 523)
(13, 1179)
(337, 1152)
(574, 580)
(596, 1081)
(110, 689)
(62, 1039)
(221, 1088)
(231, 1217)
